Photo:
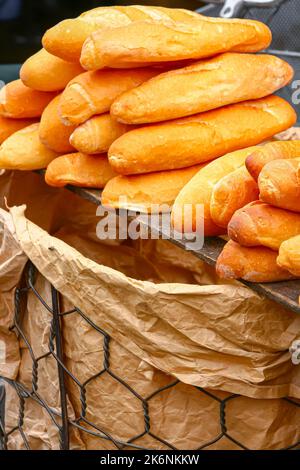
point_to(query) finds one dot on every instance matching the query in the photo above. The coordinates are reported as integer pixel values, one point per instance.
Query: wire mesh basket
(64, 424)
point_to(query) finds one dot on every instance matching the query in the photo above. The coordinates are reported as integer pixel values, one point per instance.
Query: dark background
(23, 22)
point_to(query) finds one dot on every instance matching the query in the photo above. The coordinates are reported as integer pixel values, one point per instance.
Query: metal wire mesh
(60, 418)
(283, 19)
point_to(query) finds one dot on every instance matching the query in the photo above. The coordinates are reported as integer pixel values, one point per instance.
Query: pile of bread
(163, 106)
(264, 234)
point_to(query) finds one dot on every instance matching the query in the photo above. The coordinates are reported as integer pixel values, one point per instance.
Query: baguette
(205, 85)
(198, 192)
(251, 264)
(78, 169)
(66, 39)
(200, 138)
(52, 132)
(271, 151)
(46, 72)
(289, 255)
(279, 184)
(23, 150)
(146, 42)
(97, 134)
(93, 93)
(231, 193)
(9, 126)
(261, 224)
(20, 102)
(142, 192)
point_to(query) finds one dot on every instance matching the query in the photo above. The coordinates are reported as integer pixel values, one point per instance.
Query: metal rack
(285, 293)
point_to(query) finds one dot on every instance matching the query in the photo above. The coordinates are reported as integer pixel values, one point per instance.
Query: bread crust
(9, 126)
(231, 193)
(97, 134)
(198, 192)
(256, 264)
(52, 131)
(279, 184)
(200, 138)
(152, 101)
(148, 42)
(66, 39)
(261, 224)
(271, 151)
(92, 93)
(23, 150)
(46, 72)
(142, 192)
(289, 255)
(17, 101)
(78, 169)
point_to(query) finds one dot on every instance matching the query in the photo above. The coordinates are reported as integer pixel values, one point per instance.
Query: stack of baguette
(139, 99)
(264, 235)
(163, 106)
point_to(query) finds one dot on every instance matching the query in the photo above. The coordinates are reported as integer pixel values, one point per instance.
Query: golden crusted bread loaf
(97, 134)
(279, 184)
(256, 264)
(146, 42)
(271, 151)
(9, 126)
(231, 193)
(261, 224)
(23, 150)
(46, 72)
(200, 138)
(198, 192)
(66, 39)
(289, 255)
(203, 86)
(20, 102)
(78, 169)
(93, 93)
(52, 131)
(142, 192)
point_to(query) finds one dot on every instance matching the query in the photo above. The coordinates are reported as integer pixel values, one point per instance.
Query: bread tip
(265, 33)
(51, 37)
(76, 105)
(78, 139)
(89, 59)
(290, 73)
(115, 162)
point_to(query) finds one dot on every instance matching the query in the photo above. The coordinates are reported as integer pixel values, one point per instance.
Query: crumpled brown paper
(221, 337)
(182, 415)
(12, 262)
(15, 359)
